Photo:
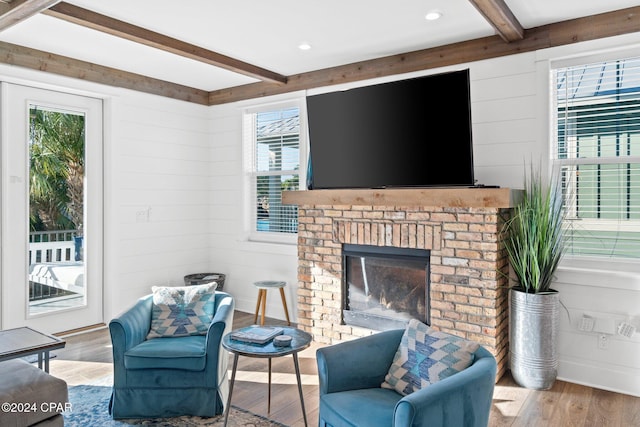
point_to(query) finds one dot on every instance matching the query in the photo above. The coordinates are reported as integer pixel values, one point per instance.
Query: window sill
(282, 245)
(600, 272)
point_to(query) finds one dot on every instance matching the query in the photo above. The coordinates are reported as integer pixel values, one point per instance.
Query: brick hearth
(461, 228)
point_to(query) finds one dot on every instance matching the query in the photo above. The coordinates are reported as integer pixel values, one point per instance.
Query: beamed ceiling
(211, 53)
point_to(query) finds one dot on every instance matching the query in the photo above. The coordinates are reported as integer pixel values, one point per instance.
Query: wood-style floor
(87, 358)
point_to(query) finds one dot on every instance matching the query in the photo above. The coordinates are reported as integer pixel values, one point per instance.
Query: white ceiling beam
(12, 12)
(498, 14)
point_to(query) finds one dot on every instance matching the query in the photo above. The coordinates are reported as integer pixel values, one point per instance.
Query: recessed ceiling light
(433, 15)
(304, 46)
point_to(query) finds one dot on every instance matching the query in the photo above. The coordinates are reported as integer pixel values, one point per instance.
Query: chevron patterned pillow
(426, 356)
(182, 310)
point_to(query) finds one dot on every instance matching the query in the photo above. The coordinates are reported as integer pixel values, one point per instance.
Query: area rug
(89, 407)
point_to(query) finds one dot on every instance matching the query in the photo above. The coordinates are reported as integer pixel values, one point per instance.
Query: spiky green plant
(535, 236)
(56, 187)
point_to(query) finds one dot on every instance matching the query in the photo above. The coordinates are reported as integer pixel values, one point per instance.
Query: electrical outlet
(586, 323)
(626, 329)
(603, 342)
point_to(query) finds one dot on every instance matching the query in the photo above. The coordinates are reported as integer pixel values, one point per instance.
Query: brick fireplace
(461, 229)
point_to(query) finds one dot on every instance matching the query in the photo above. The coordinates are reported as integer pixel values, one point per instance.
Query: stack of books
(257, 334)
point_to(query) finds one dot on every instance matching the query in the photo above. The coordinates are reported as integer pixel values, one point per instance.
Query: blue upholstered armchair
(350, 393)
(169, 376)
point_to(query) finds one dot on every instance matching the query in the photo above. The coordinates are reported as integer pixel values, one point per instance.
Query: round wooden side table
(299, 341)
(263, 286)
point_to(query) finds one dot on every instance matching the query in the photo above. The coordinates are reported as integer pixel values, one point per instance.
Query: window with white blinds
(275, 168)
(597, 150)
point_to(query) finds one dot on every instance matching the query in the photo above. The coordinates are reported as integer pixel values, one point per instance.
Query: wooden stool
(263, 287)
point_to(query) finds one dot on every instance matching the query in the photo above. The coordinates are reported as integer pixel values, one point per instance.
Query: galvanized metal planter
(533, 338)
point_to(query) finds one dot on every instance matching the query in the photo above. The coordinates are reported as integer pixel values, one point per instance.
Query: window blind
(597, 150)
(276, 169)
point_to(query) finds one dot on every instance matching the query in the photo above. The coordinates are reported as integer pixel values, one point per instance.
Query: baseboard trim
(81, 330)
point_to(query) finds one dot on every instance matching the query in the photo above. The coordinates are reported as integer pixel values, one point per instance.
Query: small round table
(263, 286)
(300, 341)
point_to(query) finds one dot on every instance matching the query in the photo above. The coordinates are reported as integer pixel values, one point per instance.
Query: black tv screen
(407, 133)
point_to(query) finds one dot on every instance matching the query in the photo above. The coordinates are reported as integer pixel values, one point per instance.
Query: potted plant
(534, 246)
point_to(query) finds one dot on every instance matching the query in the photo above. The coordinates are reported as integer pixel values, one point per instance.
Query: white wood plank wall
(181, 164)
(511, 129)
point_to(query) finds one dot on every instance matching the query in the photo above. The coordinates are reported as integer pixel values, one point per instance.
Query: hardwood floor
(87, 358)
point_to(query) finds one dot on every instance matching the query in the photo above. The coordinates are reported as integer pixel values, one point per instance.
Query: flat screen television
(407, 133)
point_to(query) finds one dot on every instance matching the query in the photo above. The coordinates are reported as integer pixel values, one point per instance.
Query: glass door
(53, 209)
(56, 204)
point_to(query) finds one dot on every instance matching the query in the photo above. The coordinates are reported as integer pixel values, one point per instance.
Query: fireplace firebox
(384, 287)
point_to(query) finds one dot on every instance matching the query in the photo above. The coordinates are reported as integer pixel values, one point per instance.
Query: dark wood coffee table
(20, 342)
(300, 341)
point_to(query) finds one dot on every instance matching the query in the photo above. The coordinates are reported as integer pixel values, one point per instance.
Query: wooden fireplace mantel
(481, 197)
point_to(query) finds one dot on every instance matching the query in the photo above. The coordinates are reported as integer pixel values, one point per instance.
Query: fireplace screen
(385, 287)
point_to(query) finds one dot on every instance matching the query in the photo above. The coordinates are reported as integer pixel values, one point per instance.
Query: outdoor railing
(50, 247)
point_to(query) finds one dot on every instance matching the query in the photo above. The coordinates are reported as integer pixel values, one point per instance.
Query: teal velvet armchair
(351, 373)
(169, 376)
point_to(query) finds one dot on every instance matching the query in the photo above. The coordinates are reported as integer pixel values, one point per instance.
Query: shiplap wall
(511, 130)
(184, 162)
(504, 97)
(159, 162)
(243, 261)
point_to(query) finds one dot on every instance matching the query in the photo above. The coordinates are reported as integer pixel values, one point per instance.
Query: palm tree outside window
(56, 200)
